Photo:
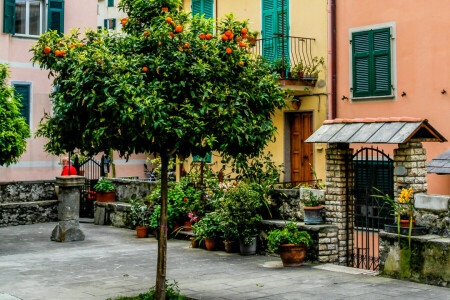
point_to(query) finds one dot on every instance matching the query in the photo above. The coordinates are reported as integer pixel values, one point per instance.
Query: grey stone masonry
(338, 158)
(412, 158)
(68, 229)
(432, 211)
(116, 214)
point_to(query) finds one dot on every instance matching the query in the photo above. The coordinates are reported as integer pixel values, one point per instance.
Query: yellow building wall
(308, 19)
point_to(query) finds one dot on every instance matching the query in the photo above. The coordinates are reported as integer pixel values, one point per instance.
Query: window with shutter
(206, 159)
(9, 13)
(56, 15)
(110, 3)
(371, 63)
(203, 7)
(23, 91)
(273, 42)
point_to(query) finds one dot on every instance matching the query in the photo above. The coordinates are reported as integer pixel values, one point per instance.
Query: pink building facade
(22, 23)
(392, 60)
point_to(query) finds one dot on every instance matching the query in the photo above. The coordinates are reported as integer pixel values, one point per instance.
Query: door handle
(306, 157)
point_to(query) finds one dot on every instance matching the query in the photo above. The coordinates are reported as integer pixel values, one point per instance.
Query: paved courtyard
(113, 262)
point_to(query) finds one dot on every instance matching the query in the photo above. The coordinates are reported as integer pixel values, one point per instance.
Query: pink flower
(190, 215)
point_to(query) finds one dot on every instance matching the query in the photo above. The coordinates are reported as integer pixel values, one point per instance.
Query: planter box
(298, 82)
(105, 196)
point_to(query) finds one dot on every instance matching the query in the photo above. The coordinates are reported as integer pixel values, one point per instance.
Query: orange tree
(13, 128)
(165, 85)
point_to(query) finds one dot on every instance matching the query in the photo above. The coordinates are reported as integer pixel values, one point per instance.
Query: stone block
(432, 202)
(67, 231)
(100, 215)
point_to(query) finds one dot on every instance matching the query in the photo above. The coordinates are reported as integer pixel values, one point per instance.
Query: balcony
(292, 60)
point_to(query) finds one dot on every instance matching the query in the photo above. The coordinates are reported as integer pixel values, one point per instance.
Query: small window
(23, 92)
(28, 18)
(110, 24)
(203, 7)
(371, 61)
(110, 3)
(207, 159)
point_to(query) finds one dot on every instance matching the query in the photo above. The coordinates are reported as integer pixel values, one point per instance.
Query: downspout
(332, 109)
(217, 17)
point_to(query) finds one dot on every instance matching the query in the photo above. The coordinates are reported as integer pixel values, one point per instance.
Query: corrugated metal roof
(376, 131)
(440, 164)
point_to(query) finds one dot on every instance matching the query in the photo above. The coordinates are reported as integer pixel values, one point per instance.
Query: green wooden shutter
(114, 24)
(105, 23)
(283, 44)
(208, 8)
(110, 3)
(269, 20)
(381, 61)
(361, 64)
(196, 7)
(23, 91)
(207, 159)
(56, 15)
(9, 16)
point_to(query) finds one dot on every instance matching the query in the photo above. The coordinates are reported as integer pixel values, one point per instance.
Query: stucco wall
(421, 62)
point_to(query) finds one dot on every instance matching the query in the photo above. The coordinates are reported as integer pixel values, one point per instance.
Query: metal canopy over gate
(369, 168)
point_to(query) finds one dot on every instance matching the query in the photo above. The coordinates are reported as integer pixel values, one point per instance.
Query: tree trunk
(162, 241)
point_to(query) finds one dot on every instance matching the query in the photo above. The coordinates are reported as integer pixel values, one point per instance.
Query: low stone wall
(288, 203)
(433, 212)
(27, 202)
(116, 214)
(125, 188)
(324, 248)
(428, 261)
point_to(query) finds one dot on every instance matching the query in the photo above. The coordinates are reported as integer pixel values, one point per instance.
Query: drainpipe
(332, 110)
(217, 17)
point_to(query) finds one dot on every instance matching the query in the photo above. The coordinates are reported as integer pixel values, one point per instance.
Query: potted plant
(252, 37)
(298, 70)
(290, 243)
(105, 191)
(140, 215)
(154, 217)
(208, 229)
(311, 72)
(312, 208)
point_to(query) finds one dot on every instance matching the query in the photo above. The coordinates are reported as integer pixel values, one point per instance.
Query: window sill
(25, 37)
(373, 99)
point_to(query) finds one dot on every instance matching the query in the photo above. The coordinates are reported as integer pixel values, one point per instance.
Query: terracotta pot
(230, 247)
(292, 255)
(105, 196)
(141, 231)
(187, 226)
(405, 223)
(194, 242)
(210, 244)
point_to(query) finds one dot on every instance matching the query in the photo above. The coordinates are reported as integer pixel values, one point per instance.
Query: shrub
(103, 186)
(288, 235)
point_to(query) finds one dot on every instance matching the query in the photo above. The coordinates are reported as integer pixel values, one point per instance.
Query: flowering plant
(140, 212)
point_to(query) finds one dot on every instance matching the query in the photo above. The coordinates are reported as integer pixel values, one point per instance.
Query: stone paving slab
(113, 262)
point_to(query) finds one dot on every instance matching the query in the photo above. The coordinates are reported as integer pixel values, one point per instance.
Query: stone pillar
(410, 162)
(68, 229)
(338, 158)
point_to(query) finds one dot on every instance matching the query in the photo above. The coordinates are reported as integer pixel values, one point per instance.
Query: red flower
(185, 199)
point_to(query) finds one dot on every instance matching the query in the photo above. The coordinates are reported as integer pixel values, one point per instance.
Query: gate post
(68, 228)
(410, 163)
(338, 182)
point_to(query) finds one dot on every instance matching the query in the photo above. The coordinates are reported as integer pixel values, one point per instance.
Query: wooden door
(302, 160)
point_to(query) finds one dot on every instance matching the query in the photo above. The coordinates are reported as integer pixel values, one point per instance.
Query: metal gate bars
(368, 169)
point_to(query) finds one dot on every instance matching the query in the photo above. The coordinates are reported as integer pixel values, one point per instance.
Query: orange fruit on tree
(165, 9)
(224, 37)
(57, 52)
(238, 39)
(171, 34)
(80, 45)
(179, 28)
(47, 50)
(60, 44)
(241, 63)
(180, 48)
(169, 20)
(186, 45)
(202, 36)
(62, 53)
(242, 44)
(244, 31)
(209, 36)
(244, 36)
(146, 33)
(113, 66)
(229, 50)
(144, 69)
(230, 37)
(228, 33)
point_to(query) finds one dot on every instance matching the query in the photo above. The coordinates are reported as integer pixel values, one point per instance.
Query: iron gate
(369, 168)
(92, 170)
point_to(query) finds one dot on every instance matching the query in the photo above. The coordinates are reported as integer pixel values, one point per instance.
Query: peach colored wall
(35, 163)
(422, 62)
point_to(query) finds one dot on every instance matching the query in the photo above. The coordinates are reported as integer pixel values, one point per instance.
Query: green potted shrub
(153, 221)
(290, 243)
(311, 72)
(208, 230)
(140, 214)
(105, 191)
(312, 208)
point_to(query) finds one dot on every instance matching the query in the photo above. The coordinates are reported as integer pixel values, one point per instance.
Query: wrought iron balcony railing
(286, 53)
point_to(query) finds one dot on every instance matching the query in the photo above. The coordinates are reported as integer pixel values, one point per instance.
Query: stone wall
(324, 248)
(287, 204)
(116, 214)
(27, 202)
(433, 212)
(427, 262)
(125, 188)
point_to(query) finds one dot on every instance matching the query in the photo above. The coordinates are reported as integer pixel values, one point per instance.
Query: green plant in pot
(290, 243)
(312, 71)
(105, 191)
(154, 218)
(140, 213)
(208, 229)
(312, 207)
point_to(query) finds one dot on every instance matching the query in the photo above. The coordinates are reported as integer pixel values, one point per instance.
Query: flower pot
(210, 244)
(187, 226)
(251, 40)
(313, 215)
(105, 196)
(194, 242)
(292, 255)
(248, 249)
(405, 223)
(141, 231)
(230, 246)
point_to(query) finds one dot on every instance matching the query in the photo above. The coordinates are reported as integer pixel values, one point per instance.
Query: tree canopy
(13, 128)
